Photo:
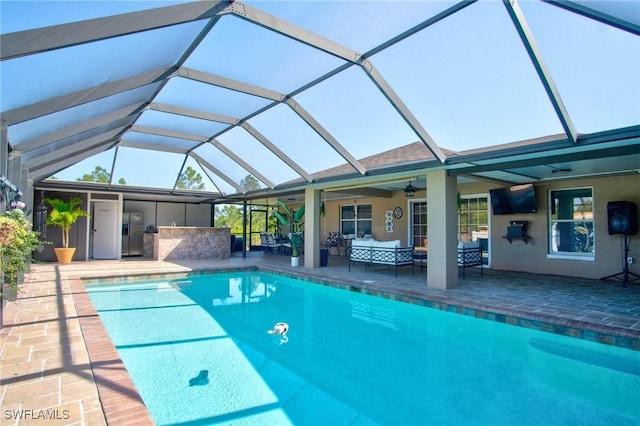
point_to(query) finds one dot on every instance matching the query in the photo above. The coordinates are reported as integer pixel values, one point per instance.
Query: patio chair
(469, 255)
(333, 240)
(269, 243)
(421, 252)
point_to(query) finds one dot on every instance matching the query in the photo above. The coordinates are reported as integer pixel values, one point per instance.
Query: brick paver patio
(58, 366)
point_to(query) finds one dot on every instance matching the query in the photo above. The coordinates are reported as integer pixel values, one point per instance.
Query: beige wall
(331, 221)
(518, 256)
(532, 257)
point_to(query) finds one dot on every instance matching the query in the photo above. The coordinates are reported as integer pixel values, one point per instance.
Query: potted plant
(63, 215)
(324, 253)
(292, 219)
(17, 243)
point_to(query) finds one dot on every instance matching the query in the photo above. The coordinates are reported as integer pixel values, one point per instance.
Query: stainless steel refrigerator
(132, 234)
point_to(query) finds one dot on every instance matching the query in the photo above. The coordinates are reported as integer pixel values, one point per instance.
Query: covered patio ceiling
(262, 99)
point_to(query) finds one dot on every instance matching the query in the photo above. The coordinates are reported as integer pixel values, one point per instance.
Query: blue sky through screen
(467, 79)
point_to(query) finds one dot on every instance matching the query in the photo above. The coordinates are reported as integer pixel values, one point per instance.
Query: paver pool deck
(58, 366)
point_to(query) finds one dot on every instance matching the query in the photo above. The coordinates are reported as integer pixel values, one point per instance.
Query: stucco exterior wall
(330, 222)
(518, 256)
(533, 257)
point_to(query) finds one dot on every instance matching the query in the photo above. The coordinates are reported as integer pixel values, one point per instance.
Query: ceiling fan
(410, 190)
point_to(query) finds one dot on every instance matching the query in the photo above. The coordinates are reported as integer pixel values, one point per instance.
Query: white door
(105, 235)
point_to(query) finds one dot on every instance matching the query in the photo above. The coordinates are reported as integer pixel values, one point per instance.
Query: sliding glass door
(418, 226)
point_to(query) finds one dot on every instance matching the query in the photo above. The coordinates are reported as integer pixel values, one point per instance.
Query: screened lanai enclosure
(264, 97)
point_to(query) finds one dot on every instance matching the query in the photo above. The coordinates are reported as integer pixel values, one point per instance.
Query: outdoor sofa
(374, 252)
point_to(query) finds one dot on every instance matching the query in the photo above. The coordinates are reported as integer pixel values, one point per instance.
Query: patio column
(442, 211)
(311, 228)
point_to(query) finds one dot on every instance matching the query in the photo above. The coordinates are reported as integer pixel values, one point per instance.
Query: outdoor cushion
(363, 242)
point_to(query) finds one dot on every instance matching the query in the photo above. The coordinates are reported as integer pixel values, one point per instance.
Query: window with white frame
(571, 222)
(356, 219)
(473, 218)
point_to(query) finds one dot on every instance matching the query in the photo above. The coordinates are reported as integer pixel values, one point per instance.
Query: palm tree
(64, 215)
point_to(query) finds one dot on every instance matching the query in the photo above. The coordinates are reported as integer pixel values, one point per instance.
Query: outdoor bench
(372, 252)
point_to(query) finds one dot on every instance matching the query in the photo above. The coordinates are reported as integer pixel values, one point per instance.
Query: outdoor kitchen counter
(186, 242)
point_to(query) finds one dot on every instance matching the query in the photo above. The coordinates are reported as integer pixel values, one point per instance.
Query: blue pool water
(198, 351)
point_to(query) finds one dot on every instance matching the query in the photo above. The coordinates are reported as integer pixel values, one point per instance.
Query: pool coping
(119, 408)
(604, 334)
(121, 404)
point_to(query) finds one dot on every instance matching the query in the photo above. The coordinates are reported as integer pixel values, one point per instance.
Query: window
(571, 222)
(473, 219)
(355, 219)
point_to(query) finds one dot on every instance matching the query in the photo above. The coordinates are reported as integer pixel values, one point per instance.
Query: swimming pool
(198, 351)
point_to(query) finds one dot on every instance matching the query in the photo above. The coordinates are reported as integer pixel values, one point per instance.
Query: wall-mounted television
(513, 200)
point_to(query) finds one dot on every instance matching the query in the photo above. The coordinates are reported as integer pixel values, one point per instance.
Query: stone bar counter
(185, 242)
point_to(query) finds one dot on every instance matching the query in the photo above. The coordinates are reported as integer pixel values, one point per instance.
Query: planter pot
(295, 261)
(10, 289)
(64, 255)
(324, 257)
(9, 293)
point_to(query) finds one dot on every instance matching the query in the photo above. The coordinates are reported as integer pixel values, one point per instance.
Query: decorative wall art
(389, 221)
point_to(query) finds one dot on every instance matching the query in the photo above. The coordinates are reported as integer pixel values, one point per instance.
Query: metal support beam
(151, 147)
(368, 192)
(227, 83)
(218, 172)
(584, 10)
(521, 25)
(34, 160)
(84, 126)
(548, 157)
(299, 34)
(271, 147)
(292, 31)
(27, 193)
(229, 153)
(324, 134)
(244, 228)
(168, 133)
(71, 151)
(186, 112)
(49, 106)
(29, 42)
(47, 169)
(402, 109)
(14, 169)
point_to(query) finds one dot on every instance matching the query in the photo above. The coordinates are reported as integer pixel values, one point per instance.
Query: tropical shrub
(292, 219)
(17, 243)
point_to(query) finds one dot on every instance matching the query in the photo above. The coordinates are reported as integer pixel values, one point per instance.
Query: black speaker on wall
(623, 217)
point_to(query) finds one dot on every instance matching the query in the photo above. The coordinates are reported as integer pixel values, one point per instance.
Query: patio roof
(312, 93)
